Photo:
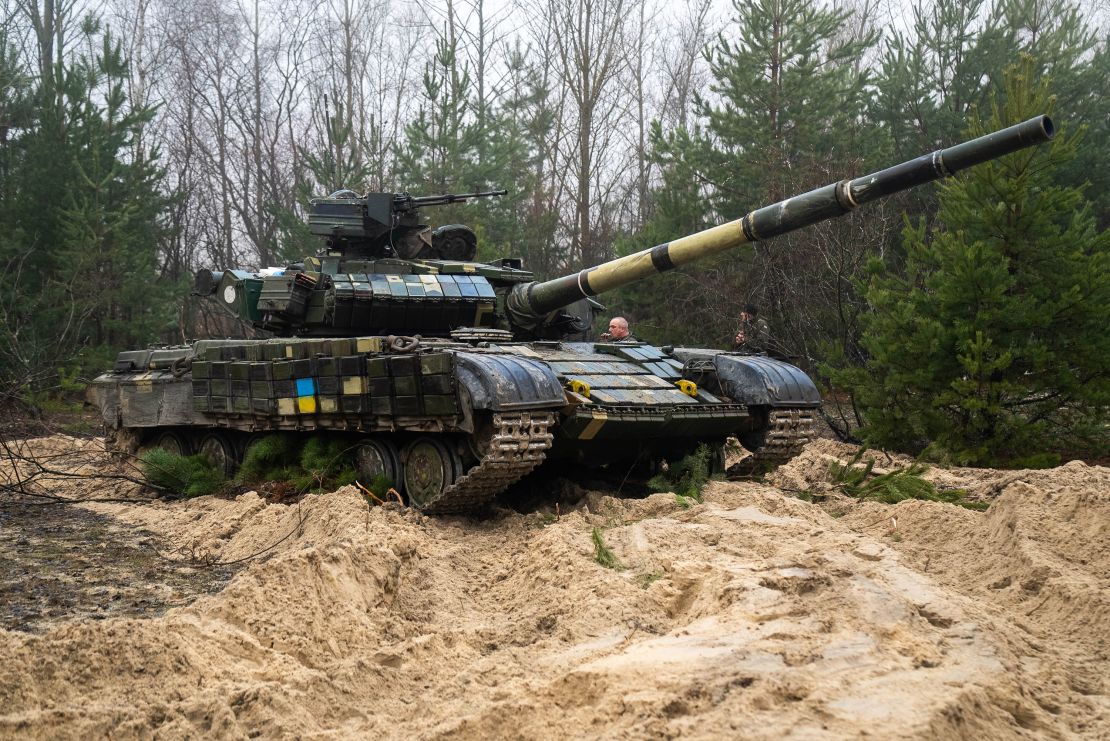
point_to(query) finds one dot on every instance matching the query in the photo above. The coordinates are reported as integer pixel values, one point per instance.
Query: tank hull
(498, 408)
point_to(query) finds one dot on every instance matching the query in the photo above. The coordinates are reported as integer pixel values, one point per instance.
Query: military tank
(456, 378)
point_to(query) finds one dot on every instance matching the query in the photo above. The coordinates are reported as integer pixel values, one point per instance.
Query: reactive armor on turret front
(492, 386)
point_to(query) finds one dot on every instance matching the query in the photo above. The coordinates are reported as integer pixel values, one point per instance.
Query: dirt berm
(751, 615)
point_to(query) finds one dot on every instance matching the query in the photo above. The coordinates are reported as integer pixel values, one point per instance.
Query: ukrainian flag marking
(306, 395)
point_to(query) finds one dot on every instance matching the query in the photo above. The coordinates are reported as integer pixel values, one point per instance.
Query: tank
(456, 378)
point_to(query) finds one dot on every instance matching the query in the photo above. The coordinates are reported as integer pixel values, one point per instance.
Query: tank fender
(503, 382)
(147, 399)
(103, 394)
(758, 380)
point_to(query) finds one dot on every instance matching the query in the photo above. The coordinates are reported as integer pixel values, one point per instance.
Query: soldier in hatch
(618, 331)
(754, 335)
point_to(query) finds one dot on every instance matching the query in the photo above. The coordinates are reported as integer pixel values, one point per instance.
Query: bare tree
(551, 183)
(683, 66)
(357, 72)
(590, 41)
(230, 89)
(482, 39)
(641, 54)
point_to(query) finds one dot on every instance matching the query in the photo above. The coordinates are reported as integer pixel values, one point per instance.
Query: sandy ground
(752, 615)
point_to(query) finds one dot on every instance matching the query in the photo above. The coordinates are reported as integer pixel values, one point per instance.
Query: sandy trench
(752, 615)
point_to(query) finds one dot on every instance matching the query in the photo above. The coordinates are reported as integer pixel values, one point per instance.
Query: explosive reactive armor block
(357, 385)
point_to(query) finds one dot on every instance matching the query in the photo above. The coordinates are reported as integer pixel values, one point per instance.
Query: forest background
(142, 140)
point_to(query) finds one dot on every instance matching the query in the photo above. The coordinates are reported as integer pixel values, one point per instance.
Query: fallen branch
(40, 471)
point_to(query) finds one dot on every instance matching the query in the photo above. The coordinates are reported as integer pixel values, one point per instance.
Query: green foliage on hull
(182, 476)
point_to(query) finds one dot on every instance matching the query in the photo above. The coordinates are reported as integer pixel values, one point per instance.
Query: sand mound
(1040, 559)
(753, 614)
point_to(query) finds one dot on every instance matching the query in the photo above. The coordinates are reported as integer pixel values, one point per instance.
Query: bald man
(618, 331)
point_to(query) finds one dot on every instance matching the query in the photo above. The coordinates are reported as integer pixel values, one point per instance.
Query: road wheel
(220, 451)
(172, 441)
(376, 459)
(430, 467)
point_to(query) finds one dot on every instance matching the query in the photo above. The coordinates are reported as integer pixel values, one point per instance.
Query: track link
(788, 431)
(519, 443)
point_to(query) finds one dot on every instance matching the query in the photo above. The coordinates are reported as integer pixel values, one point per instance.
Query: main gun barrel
(535, 300)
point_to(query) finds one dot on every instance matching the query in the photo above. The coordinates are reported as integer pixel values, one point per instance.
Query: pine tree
(788, 88)
(15, 109)
(440, 152)
(516, 151)
(112, 216)
(445, 150)
(1095, 160)
(788, 94)
(338, 165)
(80, 223)
(992, 347)
(932, 75)
(954, 58)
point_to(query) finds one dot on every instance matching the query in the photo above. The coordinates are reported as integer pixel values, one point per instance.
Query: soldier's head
(618, 328)
(749, 312)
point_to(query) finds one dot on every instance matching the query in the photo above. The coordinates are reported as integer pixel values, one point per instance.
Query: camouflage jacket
(757, 337)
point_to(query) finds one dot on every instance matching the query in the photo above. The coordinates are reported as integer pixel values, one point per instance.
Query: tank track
(519, 442)
(788, 431)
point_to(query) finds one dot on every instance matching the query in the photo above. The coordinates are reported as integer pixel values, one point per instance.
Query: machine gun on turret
(389, 225)
(403, 202)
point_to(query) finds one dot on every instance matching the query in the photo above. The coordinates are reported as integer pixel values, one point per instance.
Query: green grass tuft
(603, 554)
(686, 477)
(976, 505)
(303, 481)
(380, 485)
(325, 457)
(344, 477)
(182, 475)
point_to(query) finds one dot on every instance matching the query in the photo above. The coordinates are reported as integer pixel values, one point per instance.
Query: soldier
(754, 335)
(618, 331)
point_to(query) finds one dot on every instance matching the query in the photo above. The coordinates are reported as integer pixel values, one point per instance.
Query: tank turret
(381, 270)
